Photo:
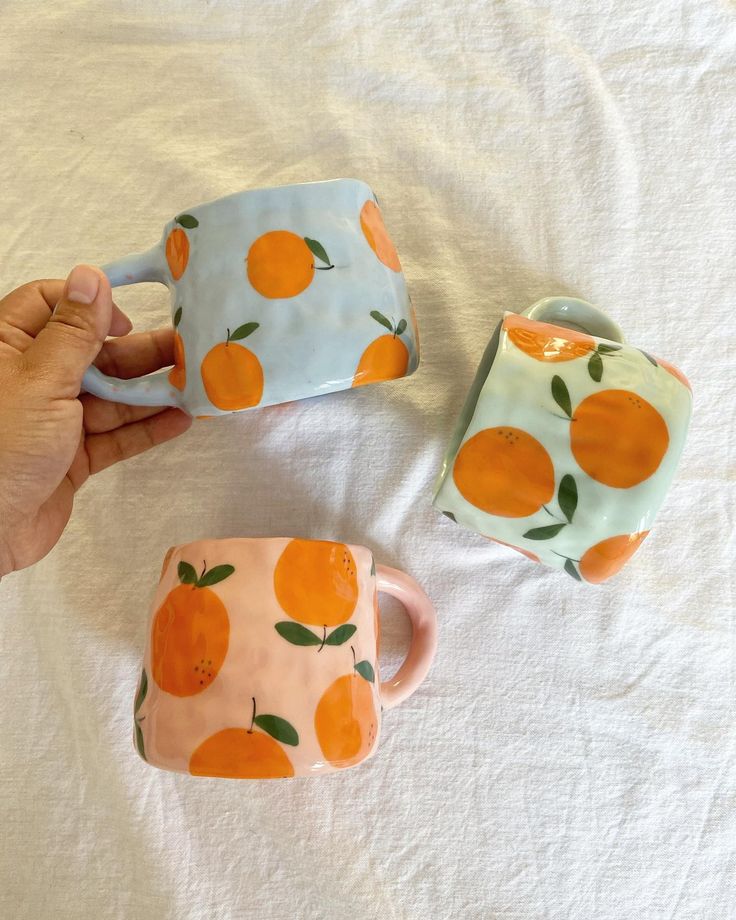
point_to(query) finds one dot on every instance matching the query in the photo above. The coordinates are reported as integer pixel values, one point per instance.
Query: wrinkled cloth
(571, 754)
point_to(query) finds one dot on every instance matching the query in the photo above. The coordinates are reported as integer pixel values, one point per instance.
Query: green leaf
(567, 496)
(219, 573)
(365, 669)
(318, 250)
(450, 515)
(139, 742)
(296, 633)
(649, 358)
(242, 332)
(561, 395)
(544, 533)
(606, 349)
(380, 318)
(142, 691)
(177, 318)
(401, 327)
(341, 634)
(187, 574)
(571, 570)
(373, 565)
(278, 728)
(186, 220)
(595, 366)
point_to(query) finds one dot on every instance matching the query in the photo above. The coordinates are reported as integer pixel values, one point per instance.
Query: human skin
(52, 438)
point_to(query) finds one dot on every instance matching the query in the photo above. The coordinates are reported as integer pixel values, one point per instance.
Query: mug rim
(289, 186)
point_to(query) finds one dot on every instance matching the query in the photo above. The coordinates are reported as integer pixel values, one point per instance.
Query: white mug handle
(152, 389)
(573, 313)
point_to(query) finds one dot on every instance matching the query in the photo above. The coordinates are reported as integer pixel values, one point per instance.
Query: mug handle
(152, 389)
(573, 313)
(423, 639)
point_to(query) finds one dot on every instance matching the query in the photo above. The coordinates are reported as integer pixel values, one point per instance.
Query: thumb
(71, 340)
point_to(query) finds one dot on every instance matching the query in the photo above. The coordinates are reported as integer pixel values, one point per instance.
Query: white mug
(568, 440)
(277, 294)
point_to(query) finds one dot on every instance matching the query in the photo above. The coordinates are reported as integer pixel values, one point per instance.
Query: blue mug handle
(152, 389)
(573, 313)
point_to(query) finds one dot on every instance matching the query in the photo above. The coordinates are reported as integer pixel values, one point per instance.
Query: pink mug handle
(423, 639)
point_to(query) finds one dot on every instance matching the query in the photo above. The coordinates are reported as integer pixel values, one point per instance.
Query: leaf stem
(227, 340)
(324, 638)
(253, 717)
(553, 515)
(322, 268)
(204, 569)
(353, 651)
(563, 556)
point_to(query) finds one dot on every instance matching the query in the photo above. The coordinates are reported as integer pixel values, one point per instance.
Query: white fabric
(572, 753)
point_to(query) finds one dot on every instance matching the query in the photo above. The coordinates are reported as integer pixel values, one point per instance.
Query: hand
(51, 438)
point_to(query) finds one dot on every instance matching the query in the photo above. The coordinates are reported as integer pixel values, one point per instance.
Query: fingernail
(82, 284)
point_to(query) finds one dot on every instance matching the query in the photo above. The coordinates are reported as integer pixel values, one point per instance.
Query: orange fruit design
(675, 371)
(345, 720)
(386, 358)
(237, 753)
(190, 633)
(243, 753)
(178, 373)
(604, 559)
(232, 375)
(504, 471)
(524, 552)
(177, 245)
(545, 342)
(281, 264)
(177, 252)
(374, 230)
(618, 438)
(316, 582)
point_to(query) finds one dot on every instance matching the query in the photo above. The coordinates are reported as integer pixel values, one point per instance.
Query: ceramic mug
(568, 440)
(276, 294)
(262, 658)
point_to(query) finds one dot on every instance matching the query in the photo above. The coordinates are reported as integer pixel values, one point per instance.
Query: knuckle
(78, 323)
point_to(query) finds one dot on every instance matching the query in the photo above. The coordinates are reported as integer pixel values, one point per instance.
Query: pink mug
(262, 658)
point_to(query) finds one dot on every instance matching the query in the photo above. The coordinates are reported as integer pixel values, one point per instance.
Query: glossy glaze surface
(276, 294)
(567, 443)
(262, 658)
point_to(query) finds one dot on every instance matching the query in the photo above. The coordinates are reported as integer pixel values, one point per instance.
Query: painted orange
(232, 376)
(618, 438)
(280, 264)
(386, 358)
(545, 342)
(374, 230)
(189, 640)
(316, 582)
(178, 373)
(504, 471)
(177, 252)
(675, 371)
(237, 753)
(606, 558)
(345, 720)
